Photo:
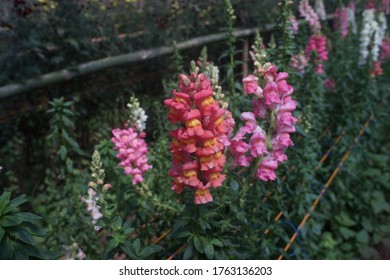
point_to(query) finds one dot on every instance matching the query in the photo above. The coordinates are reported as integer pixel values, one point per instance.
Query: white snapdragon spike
(352, 20)
(141, 121)
(379, 36)
(320, 9)
(212, 73)
(216, 73)
(138, 116)
(370, 26)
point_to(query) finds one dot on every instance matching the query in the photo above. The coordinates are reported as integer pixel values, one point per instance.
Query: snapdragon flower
(385, 50)
(370, 27)
(198, 145)
(341, 21)
(294, 24)
(132, 152)
(299, 63)
(137, 116)
(317, 44)
(92, 206)
(130, 144)
(310, 16)
(385, 7)
(272, 102)
(320, 9)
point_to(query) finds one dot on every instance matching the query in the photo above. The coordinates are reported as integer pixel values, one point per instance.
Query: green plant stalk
(230, 43)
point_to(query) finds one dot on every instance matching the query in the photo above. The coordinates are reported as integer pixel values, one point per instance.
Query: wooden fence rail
(109, 62)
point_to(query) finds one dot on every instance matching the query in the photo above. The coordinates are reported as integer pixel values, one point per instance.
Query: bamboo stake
(109, 62)
(330, 180)
(325, 156)
(177, 251)
(105, 63)
(162, 236)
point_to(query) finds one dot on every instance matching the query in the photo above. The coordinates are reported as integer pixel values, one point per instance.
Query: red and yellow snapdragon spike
(198, 144)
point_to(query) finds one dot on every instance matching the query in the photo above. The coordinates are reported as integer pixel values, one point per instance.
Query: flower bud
(106, 187)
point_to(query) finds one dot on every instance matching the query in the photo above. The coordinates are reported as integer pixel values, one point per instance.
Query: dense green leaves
(17, 231)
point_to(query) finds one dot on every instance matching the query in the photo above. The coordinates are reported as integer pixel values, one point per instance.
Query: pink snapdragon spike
(385, 7)
(266, 147)
(330, 84)
(385, 50)
(340, 18)
(198, 145)
(317, 44)
(251, 86)
(370, 5)
(310, 16)
(299, 63)
(294, 24)
(132, 152)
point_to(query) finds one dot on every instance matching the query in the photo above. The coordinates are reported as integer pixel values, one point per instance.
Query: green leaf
(127, 231)
(43, 254)
(344, 219)
(34, 229)
(13, 205)
(67, 122)
(149, 250)
(128, 249)
(182, 234)
(20, 252)
(188, 252)
(118, 222)
(362, 236)
(6, 249)
(346, 232)
(137, 246)
(2, 233)
(68, 103)
(10, 220)
(180, 223)
(112, 244)
(209, 250)
(70, 140)
(4, 199)
(69, 164)
(21, 233)
(217, 242)
(63, 152)
(27, 216)
(198, 244)
(379, 203)
(367, 224)
(203, 224)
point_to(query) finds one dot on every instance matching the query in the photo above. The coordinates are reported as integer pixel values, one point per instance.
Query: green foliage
(120, 238)
(18, 231)
(62, 131)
